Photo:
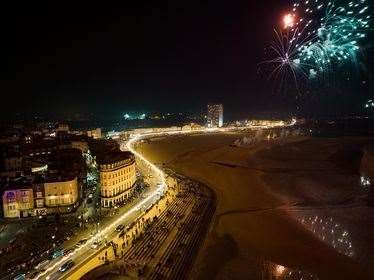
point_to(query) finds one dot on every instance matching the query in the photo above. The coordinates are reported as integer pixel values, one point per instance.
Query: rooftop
(59, 177)
(17, 183)
(112, 157)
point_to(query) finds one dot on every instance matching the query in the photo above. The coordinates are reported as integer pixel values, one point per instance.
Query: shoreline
(260, 230)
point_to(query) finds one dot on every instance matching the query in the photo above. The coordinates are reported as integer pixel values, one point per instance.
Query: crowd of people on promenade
(162, 245)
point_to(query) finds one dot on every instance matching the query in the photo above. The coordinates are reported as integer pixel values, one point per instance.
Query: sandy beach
(294, 203)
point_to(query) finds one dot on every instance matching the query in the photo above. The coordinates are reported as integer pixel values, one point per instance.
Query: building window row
(117, 164)
(112, 183)
(56, 194)
(60, 201)
(117, 173)
(11, 207)
(118, 190)
(110, 202)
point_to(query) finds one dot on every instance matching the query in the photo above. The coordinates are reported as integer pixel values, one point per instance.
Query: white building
(215, 115)
(117, 178)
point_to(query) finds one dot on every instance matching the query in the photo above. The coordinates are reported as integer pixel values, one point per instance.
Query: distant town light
(369, 104)
(139, 116)
(365, 181)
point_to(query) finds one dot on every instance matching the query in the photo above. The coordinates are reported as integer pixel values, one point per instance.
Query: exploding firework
(286, 62)
(289, 20)
(330, 32)
(318, 35)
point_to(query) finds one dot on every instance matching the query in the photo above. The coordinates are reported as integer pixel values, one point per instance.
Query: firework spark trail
(285, 49)
(317, 36)
(335, 28)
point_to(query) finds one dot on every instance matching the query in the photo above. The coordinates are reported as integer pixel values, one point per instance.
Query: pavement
(253, 224)
(85, 253)
(106, 230)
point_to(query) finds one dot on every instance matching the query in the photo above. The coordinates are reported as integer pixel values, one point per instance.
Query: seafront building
(62, 191)
(215, 115)
(18, 202)
(42, 170)
(117, 177)
(23, 198)
(94, 133)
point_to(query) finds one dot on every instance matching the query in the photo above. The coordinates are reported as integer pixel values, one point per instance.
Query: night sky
(157, 55)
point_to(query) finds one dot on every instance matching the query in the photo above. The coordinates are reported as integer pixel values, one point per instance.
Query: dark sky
(157, 55)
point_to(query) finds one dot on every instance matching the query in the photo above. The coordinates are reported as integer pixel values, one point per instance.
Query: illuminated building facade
(117, 177)
(61, 192)
(63, 127)
(215, 115)
(266, 123)
(80, 145)
(94, 133)
(18, 203)
(35, 199)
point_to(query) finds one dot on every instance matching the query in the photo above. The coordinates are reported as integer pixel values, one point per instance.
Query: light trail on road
(108, 229)
(162, 187)
(157, 170)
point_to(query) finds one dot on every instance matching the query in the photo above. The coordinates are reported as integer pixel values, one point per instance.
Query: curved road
(81, 254)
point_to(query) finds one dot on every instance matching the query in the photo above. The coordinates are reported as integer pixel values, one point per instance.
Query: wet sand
(258, 191)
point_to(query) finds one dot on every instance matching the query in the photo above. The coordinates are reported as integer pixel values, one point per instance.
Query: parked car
(82, 241)
(96, 244)
(21, 276)
(32, 275)
(68, 251)
(42, 265)
(120, 228)
(57, 253)
(122, 234)
(66, 266)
